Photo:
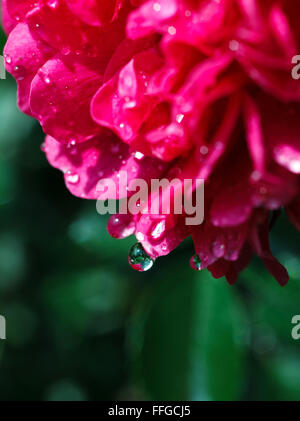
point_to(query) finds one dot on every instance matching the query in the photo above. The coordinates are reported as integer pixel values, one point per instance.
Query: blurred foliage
(82, 325)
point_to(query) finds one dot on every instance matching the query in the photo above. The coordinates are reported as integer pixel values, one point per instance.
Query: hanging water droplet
(138, 259)
(195, 262)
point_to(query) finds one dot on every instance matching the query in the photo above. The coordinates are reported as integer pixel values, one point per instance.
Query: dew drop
(139, 235)
(138, 259)
(47, 80)
(156, 7)
(53, 4)
(234, 45)
(72, 177)
(138, 155)
(71, 145)
(179, 118)
(158, 230)
(218, 249)
(120, 226)
(195, 262)
(172, 30)
(7, 59)
(204, 150)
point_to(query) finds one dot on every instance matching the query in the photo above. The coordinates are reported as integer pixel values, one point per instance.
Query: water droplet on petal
(156, 7)
(159, 229)
(204, 150)
(19, 72)
(218, 249)
(53, 4)
(139, 235)
(138, 155)
(138, 259)
(179, 118)
(71, 145)
(120, 226)
(72, 177)
(47, 80)
(7, 59)
(172, 30)
(234, 45)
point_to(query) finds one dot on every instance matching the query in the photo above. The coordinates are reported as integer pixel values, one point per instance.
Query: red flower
(182, 89)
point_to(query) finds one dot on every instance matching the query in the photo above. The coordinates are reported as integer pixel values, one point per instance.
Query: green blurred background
(82, 325)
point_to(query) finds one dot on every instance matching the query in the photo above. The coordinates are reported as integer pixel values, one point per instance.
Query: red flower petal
(104, 156)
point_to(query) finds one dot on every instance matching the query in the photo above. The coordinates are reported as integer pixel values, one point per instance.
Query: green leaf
(186, 339)
(221, 341)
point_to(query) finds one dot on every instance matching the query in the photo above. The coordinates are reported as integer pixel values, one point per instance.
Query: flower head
(192, 89)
